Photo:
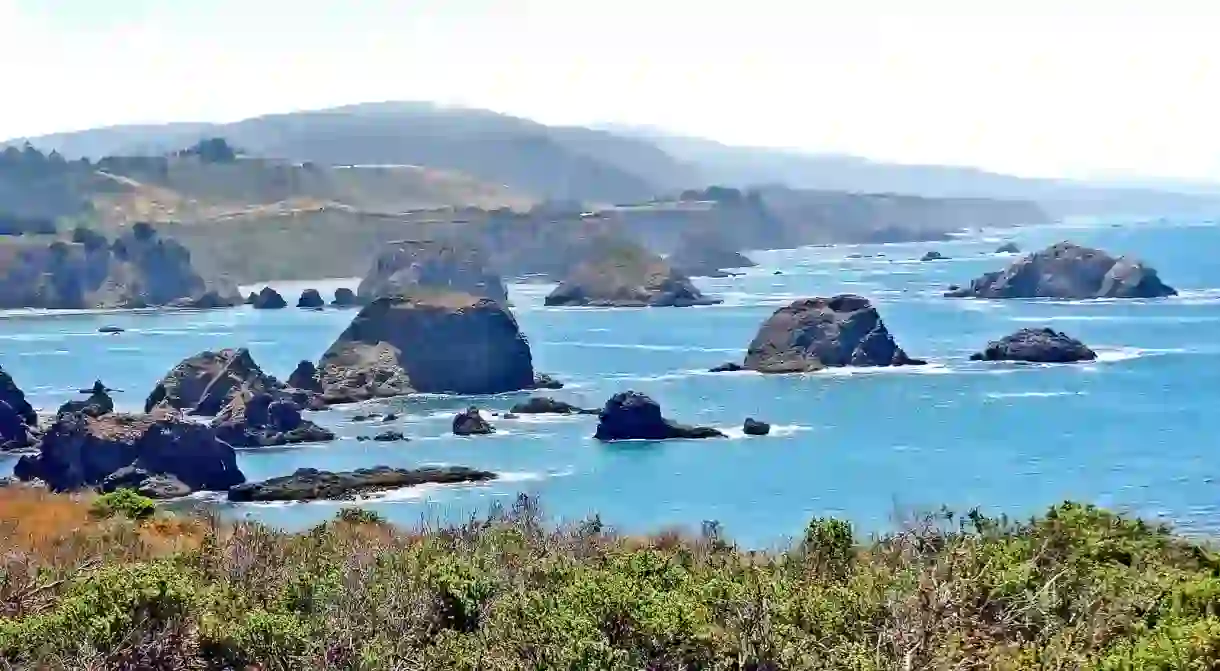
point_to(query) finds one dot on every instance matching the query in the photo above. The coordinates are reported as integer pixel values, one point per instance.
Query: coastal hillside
(211, 181)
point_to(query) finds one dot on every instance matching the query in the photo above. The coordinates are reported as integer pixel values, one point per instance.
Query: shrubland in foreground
(99, 584)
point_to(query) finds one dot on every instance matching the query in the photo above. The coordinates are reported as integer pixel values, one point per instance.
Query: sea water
(1130, 431)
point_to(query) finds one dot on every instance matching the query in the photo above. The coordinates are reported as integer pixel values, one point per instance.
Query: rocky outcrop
(470, 422)
(439, 343)
(269, 299)
(631, 415)
(261, 420)
(305, 377)
(345, 298)
(753, 427)
(1008, 248)
(815, 333)
(81, 451)
(730, 367)
(252, 298)
(99, 402)
(308, 484)
(542, 405)
(706, 255)
(1036, 345)
(152, 485)
(208, 381)
(311, 299)
(446, 264)
(933, 256)
(622, 274)
(18, 421)
(544, 381)
(1069, 271)
(138, 269)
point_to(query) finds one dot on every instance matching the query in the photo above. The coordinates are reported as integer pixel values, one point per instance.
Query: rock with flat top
(308, 484)
(1036, 345)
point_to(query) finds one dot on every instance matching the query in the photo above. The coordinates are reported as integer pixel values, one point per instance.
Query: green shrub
(355, 515)
(126, 502)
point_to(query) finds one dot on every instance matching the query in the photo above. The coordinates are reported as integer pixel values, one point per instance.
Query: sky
(1077, 88)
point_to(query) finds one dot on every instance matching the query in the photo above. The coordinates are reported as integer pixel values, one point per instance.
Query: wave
(777, 431)
(653, 348)
(1032, 394)
(1116, 354)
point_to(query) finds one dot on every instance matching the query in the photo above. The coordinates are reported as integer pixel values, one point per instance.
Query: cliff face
(137, 269)
(449, 264)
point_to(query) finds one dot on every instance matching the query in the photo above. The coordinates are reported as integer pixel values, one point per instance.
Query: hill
(553, 163)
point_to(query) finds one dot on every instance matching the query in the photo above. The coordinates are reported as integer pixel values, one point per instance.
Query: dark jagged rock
(447, 264)
(815, 333)
(305, 377)
(541, 405)
(778, 272)
(706, 255)
(933, 256)
(18, 421)
(208, 381)
(309, 484)
(1008, 248)
(631, 415)
(252, 298)
(1036, 345)
(81, 451)
(310, 298)
(392, 417)
(753, 427)
(269, 299)
(544, 381)
(1069, 271)
(152, 485)
(99, 402)
(470, 423)
(260, 420)
(112, 330)
(138, 269)
(389, 437)
(730, 367)
(622, 274)
(452, 343)
(345, 298)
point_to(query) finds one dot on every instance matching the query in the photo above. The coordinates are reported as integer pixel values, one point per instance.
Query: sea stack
(1069, 271)
(623, 274)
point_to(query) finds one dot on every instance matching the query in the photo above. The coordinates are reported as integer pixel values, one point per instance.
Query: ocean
(874, 446)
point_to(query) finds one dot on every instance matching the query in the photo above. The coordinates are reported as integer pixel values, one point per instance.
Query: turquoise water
(1129, 431)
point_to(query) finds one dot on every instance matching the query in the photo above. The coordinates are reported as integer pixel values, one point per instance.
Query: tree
(212, 150)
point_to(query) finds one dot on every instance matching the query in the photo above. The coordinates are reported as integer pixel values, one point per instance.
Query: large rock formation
(434, 343)
(706, 254)
(446, 265)
(814, 333)
(207, 382)
(1067, 270)
(261, 420)
(623, 274)
(18, 421)
(345, 298)
(308, 484)
(310, 298)
(81, 451)
(1036, 345)
(136, 270)
(631, 415)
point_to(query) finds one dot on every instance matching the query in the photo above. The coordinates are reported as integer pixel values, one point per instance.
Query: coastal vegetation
(91, 583)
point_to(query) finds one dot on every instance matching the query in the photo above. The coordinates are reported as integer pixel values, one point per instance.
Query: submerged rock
(308, 484)
(933, 256)
(622, 274)
(450, 343)
(541, 405)
(1067, 270)
(470, 422)
(1008, 248)
(730, 367)
(111, 330)
(389, 437)
(1036, 345)
(258, 419)
(815, 333)
(631, 415)
(345, 298)
(207, 382)
(269, 299)
(753, 427)
(310, 298)
(81, 451)
(544, 381)
(447, 264)
(152, 485)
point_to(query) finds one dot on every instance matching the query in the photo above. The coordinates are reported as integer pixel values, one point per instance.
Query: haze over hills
(607, 164)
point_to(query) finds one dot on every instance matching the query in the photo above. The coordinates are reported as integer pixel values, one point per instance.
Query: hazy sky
(1037, 87)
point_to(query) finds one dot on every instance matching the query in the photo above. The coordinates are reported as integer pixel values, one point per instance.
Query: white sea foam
(777, 431)
(1033, 394)
(653, 348)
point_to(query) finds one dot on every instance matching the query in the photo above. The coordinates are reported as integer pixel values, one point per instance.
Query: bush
(354, 515)
(126, 502)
